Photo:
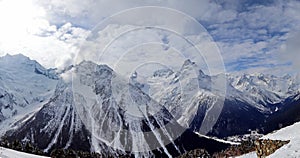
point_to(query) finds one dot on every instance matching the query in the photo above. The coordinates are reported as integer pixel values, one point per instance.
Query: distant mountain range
(96, 109)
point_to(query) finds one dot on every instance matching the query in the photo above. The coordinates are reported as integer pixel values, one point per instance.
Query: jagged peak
(188, 62)
(90, 64)
(86, 63)
(21, 63)
(16, 58)
(20, 55)
(20, 60)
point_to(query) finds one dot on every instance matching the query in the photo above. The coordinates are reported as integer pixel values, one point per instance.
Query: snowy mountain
(91, 107)
(189, 94)
(265, 89)
(259, 90)
(96, 111)
(24, 87)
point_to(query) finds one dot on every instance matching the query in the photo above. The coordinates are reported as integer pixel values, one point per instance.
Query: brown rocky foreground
(263, 148)
(266, 147)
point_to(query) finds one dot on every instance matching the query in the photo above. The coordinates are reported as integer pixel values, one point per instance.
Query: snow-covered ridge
(263, 88)
(259, 90)
(24, 87)
(290, 150)
(19, 62)
(9, 153)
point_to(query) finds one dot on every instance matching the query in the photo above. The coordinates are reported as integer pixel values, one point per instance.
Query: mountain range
(91, 107)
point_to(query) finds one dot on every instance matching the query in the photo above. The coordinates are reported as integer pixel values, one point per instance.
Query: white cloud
(49, 46)
(252, 41)
(118, 43)
(290, 51)
(90, 12)
(248, 35)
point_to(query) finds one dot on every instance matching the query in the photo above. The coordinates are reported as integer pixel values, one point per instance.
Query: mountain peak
(16, 57)
(91, 65)
(188, 62)
(21, 64)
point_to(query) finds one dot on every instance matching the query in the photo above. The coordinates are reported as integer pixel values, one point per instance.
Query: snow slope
(290, 150)
(24, 87)
(9, 153)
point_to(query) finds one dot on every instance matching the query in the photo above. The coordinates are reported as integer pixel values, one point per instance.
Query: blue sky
(252, 35)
